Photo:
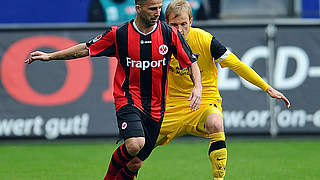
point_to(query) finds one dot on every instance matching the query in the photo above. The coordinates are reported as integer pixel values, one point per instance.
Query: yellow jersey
(179, 83)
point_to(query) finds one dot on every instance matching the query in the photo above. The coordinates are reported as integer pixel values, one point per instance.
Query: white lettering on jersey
(145, 42)
(145, 64)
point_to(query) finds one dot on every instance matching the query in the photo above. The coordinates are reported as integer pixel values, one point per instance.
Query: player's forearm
(251, 76)
(244, 71)
(73, 52)
(195, 75)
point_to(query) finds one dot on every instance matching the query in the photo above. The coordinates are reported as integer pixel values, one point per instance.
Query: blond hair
(176, 7)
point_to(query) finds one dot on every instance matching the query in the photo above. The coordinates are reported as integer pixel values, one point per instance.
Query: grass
(183, 159)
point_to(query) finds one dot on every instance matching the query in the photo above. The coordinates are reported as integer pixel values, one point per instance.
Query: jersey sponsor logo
(179, 71)
(163, 49)
(145, 42)
(145, 64)
(124, 125)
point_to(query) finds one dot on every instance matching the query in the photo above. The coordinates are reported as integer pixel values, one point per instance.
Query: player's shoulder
(165, 26)
(200, 32)
(123, 26)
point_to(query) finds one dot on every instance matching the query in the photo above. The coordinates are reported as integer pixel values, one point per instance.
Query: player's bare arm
(73, 52)
(196, 93)
(278, 95)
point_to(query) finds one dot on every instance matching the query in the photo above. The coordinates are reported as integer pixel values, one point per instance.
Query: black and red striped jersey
(141, 75)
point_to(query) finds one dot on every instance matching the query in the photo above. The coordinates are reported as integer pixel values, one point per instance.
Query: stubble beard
(147, 21)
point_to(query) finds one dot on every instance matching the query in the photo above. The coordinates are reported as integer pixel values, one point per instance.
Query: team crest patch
(163, 49)
(124, 125)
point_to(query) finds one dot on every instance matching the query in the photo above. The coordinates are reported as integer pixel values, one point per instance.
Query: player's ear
(138, 8)
(191, 21)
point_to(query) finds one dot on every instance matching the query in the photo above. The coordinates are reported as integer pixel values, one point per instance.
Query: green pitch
(182, 159)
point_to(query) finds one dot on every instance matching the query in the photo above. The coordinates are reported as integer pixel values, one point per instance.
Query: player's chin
(154, 21)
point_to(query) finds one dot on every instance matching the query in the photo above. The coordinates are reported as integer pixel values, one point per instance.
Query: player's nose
(158, 12)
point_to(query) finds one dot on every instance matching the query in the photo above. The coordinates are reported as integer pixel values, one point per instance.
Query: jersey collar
(137, 29)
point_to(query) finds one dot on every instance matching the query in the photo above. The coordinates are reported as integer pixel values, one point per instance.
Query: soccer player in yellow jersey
(207, 121)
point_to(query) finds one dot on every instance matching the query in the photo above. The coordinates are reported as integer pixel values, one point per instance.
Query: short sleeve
(104, 44)
(183, 52)
(217, 49)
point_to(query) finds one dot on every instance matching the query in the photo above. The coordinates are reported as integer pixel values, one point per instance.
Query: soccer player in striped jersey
(207, 121)
(143, 48)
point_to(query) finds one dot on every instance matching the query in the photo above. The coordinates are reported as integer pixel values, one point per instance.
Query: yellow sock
(218, 155)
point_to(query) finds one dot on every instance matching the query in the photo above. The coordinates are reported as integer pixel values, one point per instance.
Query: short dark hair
(139, 2)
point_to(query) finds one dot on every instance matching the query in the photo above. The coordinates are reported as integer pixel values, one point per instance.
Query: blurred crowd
(117, 11)
(114, 11)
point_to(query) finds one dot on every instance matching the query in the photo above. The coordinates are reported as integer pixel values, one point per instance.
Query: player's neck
(142, 27)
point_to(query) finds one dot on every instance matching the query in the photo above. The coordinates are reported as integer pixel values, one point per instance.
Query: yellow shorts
(180, 120)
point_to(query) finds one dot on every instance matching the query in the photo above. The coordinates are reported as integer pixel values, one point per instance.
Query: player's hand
(278, 95)
(195, 98)
(37, 55)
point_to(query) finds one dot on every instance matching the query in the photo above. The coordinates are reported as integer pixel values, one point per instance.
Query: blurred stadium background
(62, 101)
